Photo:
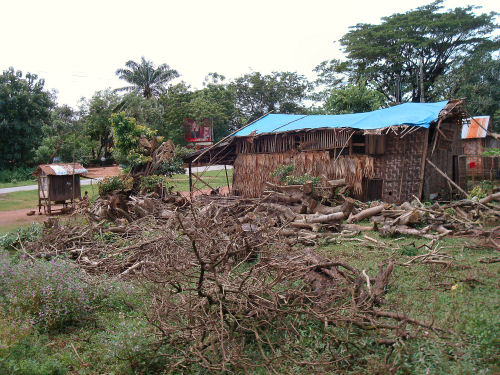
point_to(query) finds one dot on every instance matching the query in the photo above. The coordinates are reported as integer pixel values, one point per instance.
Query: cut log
(356, 228)
(369, 212)
(489, 198)
(336, 183)
(331, 218)
(411, 217)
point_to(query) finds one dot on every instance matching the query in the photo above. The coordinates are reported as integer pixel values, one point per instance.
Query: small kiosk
(58, 184)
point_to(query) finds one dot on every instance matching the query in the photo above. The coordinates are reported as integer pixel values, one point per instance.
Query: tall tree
(353, 98)
(95, 115)
(24, 108)
(64, 138)
(427, 35)
(145, 78)
(176, 108)
(477, 79)
(257, 94)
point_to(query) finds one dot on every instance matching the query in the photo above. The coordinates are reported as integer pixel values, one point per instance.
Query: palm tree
(145, 78)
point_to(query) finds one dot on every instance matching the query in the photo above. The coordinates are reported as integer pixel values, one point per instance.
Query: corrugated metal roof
(417, 114)
(60, 169)
(475, 127)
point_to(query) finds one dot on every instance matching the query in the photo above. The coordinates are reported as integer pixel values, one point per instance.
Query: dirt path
(99, 172)
(19, 217)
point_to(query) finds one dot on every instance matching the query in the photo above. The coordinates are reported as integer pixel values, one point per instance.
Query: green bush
(109, 184)
(285, 175)
(492, 152)
(16, 174)
(152, 183)
(10, 240)
(171, 167)
(49, 294)
(481, 190)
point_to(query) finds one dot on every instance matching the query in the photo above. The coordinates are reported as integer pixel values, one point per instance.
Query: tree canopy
(353, 98)
(257, 94)
(145, 78)
(426, 35)
(24, 108)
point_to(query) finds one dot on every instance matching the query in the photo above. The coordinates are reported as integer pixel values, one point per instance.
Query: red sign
(200, 131)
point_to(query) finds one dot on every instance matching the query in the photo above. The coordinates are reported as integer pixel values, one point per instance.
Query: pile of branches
(306, 206)
(239, 299)
(231, 291)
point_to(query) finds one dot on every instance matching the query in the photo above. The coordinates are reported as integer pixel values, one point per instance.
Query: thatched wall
(251, 171)
(399, 167)
(445, 157)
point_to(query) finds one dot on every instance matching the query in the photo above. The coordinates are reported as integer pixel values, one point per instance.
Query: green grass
(19, 200)
(18, 183)
(29, 199)
(213, 178)
(462, 298)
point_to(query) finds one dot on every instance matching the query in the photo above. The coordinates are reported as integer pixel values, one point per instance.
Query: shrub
(154, 182)
(285, 175)
(491, 152)
(49, 294)
(171, 167)
(10, 240)
(16, 174)
(110, 184)
(481, 190)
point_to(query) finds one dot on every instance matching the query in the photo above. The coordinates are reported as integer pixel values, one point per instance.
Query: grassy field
(213, 178)
(18, 183)
(29, 199)
(462, 298)
(18, 200)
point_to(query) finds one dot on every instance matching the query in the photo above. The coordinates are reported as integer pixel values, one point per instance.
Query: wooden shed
(392, 154)
(58, 184)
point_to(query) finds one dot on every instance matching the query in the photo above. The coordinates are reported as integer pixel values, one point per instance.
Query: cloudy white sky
(76, 46)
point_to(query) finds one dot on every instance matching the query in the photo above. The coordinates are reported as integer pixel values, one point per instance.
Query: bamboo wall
(445, 157)
(400, 167)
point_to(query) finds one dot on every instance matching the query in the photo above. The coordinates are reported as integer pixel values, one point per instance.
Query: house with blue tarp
(393, 154)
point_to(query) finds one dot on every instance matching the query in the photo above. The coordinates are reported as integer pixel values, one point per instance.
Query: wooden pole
(446, 177)
(190, 178)
(227, 179)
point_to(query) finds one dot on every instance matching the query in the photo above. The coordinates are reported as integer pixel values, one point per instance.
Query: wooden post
(424, 157)
(227, 179)
(190, 178)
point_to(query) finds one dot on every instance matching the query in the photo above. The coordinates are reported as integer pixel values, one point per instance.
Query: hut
(57, 184)
(393, 154)
(476, 139)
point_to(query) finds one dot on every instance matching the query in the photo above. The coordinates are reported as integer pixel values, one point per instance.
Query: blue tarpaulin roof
(417, 114)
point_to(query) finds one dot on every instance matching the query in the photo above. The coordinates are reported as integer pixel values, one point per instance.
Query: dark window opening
(358, 143)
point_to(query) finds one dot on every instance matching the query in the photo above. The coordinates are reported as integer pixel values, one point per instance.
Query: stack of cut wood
(307, 207)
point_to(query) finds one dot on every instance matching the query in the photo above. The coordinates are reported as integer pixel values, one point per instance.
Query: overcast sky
(76, 46)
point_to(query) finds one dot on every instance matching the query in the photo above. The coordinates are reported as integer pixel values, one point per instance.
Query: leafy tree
(95, 115)
(332, 74)
(354, 98)
(216, 101)
(425, 35)
(176, 102)
(476, 78)
(63, 137)
(257, 94)
(24, 108)
(148, 112)
(127, 136)
(145, 78)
